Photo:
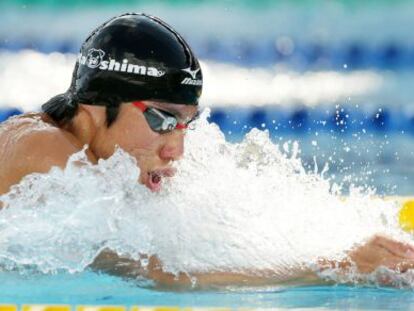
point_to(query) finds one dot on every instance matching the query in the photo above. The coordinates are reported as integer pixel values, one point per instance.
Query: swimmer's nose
(173, 147)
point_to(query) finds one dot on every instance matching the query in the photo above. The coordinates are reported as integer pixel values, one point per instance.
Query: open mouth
(154, 179)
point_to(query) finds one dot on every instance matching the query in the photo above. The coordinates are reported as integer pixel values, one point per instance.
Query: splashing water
(230, 207)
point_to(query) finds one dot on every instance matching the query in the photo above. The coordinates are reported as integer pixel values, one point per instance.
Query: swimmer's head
(132, 57)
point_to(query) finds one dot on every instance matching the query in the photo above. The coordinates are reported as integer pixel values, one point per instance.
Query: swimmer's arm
(111, 263)
(379, 251)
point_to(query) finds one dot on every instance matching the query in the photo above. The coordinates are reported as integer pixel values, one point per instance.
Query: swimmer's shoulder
(31, 143)
(46, 143)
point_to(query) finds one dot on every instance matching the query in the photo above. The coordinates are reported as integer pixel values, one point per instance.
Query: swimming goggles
(160, 121)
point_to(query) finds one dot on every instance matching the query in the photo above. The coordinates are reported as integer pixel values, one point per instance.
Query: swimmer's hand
(379, 251)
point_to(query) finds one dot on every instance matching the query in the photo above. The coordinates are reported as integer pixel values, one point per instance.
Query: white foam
(230, 207)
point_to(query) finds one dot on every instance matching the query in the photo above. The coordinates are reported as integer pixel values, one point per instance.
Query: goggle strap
(181, 126)
(140, 105)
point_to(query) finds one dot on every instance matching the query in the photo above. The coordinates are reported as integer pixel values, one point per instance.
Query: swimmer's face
(154, 151)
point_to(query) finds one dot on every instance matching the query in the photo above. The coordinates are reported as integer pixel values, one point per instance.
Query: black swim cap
(132, 57)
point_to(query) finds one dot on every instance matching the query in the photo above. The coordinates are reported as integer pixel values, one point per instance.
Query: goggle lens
(159, 121)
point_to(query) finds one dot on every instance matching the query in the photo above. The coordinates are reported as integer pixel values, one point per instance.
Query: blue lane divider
(44, 46)
(302, 120)
(6, 113)
(299, 55)
(355, 55)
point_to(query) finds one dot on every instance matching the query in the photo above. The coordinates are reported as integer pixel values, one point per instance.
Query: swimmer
(136, 85)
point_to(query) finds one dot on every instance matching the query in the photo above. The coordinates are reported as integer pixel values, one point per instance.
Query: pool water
(98, 289)
(59, 221)
(383, 161)
(370, 68)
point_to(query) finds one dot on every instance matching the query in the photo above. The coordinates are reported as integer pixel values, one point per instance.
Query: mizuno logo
(192, 80)
(192, 73)
(95, 59)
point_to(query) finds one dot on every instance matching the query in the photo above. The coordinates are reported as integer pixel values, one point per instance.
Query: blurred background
(336, 76)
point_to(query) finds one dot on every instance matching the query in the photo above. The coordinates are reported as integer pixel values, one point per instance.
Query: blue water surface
(101, 289)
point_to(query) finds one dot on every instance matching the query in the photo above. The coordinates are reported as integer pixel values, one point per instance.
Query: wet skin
(379, 251)
(34, 143)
